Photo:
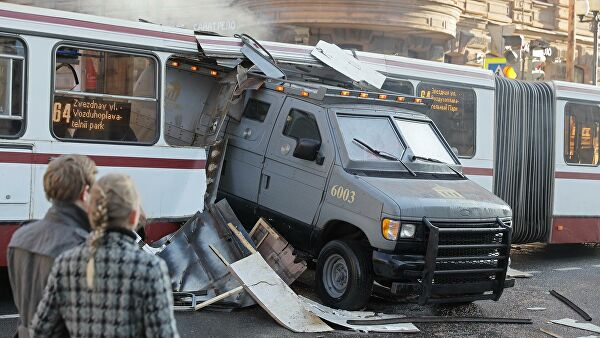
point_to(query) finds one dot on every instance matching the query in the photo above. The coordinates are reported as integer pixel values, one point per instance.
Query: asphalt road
(572, 270)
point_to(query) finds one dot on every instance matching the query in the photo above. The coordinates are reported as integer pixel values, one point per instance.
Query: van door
(248, 141)
(292, 188)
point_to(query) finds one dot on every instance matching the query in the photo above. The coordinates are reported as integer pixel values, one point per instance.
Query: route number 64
(343, 193)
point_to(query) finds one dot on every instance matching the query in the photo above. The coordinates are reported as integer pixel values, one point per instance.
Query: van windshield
(378, 132)
(422, 139)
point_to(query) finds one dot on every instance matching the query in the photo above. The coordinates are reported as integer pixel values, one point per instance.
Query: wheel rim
(335, 275)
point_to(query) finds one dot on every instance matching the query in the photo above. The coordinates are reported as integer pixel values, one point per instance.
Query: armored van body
(367, 185)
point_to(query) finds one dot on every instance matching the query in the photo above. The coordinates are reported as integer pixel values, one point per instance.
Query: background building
(454, 31)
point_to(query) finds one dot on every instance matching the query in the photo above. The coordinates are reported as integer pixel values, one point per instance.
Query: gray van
(364, 183)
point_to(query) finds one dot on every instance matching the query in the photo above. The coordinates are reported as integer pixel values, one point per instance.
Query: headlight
(408, 231)
(390, 229)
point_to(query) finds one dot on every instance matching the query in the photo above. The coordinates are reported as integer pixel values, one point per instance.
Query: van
(364, 183)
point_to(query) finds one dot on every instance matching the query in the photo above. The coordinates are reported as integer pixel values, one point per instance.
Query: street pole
(595, 31)
(571, 42)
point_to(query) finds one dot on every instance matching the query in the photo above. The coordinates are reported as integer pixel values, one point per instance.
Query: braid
(99, 222)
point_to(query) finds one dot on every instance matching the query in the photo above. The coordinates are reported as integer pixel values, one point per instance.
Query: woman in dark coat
(108, 286)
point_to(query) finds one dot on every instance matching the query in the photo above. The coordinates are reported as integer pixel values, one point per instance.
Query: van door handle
(266, 180)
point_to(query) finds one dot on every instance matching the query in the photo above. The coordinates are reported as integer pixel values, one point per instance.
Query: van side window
(453, 111)
(12, 87)
(582, 133)
(256, 110)
(299, 124)
(105, 96)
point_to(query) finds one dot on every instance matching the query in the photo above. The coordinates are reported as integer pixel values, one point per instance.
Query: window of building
(299, 125)
(256, 110)
(398, 86)
(579, 75)
(582, 133)
(12, 87)
(104, 96)
(453, 112)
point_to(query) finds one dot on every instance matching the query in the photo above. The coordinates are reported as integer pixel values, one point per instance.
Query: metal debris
(192, 265)
(550, 333)
(573, 323)
(341, 318)
(572, 305)
(442, 319)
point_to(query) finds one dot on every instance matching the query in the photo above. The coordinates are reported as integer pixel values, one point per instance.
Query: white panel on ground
(341, 317)
(274, 296)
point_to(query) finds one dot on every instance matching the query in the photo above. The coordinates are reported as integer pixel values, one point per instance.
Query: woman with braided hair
(108, 287)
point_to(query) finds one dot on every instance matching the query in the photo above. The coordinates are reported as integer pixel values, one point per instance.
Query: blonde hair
(66, 177)
(112, 199)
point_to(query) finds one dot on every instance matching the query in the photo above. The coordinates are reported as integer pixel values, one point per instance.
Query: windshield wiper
(428, 159)
(383, 154)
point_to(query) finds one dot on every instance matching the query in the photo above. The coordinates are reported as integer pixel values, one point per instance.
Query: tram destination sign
(91, 118)
(445, 99)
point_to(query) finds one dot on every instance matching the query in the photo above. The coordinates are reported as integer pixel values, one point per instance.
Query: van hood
(442, 199)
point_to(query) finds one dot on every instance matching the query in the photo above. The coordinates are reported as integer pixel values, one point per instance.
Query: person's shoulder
(150, 262)
(76, 252)
(25, 231)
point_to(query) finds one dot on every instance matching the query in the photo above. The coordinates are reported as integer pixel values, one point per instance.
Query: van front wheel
(344, 276)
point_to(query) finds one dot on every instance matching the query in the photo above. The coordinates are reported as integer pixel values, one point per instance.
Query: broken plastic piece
(572, 305)
(536, 308)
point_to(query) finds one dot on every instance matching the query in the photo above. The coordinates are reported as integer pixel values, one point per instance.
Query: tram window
(12, 88)
(256, 110)
(398, 86)
(582, 133)
(104, 96)
(453, 111)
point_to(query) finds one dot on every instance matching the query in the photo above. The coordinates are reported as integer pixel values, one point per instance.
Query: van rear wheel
(344, 276)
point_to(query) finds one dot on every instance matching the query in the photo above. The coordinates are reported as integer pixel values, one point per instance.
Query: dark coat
(131, 296)
(31, 253)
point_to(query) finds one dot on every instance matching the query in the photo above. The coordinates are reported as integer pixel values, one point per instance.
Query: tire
(344, 275)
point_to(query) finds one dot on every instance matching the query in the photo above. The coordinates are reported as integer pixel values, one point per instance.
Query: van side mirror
(307, 149)
(455, 151)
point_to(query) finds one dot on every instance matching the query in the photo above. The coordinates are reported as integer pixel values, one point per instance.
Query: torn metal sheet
(260, 60)
(338, 59)
(274, 296)
(573, 323)
(517, 274)
(341, 317)
(192, 264)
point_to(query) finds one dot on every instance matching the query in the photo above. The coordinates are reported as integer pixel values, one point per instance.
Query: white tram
(109, 89)
(118, 92)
